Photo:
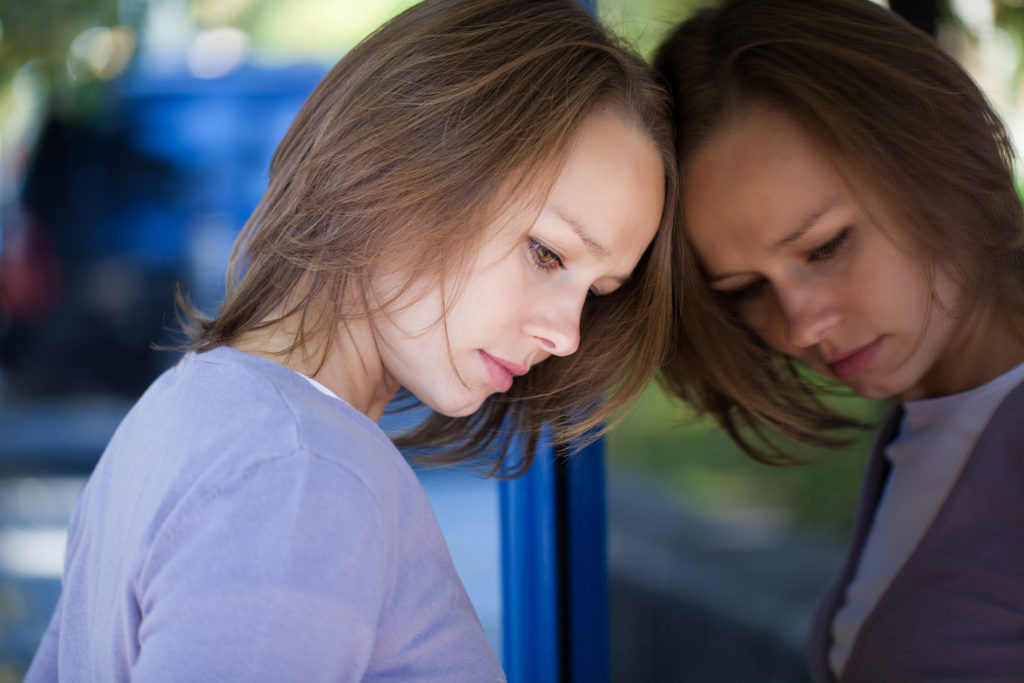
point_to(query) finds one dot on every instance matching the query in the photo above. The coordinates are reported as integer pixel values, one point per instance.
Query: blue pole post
(554, 569)
(530, 585)
(587, 566)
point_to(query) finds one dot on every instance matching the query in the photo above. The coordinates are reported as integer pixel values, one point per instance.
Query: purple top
(242, 525)
(955, 609)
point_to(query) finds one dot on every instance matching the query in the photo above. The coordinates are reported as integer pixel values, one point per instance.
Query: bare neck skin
(352, 368)
(985, 346)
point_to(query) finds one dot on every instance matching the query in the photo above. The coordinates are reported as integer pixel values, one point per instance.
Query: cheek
(479, 310)
(944, 297)
(767, 322)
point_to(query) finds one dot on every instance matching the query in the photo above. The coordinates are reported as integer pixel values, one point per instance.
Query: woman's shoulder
(223, 431)
(246, 394)
(1006, 424)
(221, 414)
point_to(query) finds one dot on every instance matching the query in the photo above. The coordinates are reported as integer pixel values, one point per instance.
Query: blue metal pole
(530, 561)
(587, 564)
(554, 569)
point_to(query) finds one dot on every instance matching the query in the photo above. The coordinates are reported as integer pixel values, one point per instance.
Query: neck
(351, 367)
(987, 345)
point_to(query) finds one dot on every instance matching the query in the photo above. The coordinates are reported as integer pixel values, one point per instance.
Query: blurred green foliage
(694, 461)
(40, 33)
(645, 22)
(42, 30)
(1009, 16)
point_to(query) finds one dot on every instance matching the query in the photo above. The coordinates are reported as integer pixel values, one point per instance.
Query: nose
(810, 313)
(556, 327)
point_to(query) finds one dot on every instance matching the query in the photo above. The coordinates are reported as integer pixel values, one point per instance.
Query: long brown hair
(894, 112)
(420, 136)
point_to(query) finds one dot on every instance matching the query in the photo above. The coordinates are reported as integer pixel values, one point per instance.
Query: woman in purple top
(849, 207)
(474, 206)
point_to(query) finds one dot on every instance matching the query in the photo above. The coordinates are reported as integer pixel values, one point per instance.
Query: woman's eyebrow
(596, 248)
(806, 224)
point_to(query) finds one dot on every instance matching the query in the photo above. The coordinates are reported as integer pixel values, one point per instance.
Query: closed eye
(747, 293)
(832, 248)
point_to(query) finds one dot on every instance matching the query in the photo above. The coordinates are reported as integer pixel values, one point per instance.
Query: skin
(521, 300)
(824, 272)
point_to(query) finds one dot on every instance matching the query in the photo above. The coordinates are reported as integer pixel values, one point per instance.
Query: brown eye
(544, 258)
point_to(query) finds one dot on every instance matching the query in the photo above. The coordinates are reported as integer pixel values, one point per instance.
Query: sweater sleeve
(277, 574)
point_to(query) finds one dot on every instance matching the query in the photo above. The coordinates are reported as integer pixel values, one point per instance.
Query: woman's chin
(453, 409)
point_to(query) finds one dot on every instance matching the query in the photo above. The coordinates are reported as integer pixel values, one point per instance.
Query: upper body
(851, 221)
(475, 205)
(934, 580)
(244, 525)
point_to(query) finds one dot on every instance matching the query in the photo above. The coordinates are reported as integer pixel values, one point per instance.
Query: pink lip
(501, 371)
(849, 363)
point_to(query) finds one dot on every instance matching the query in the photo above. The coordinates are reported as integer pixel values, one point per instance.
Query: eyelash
(832, 248)
(536, 248)
(539, 252)
(823, 254)
(746, 293)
